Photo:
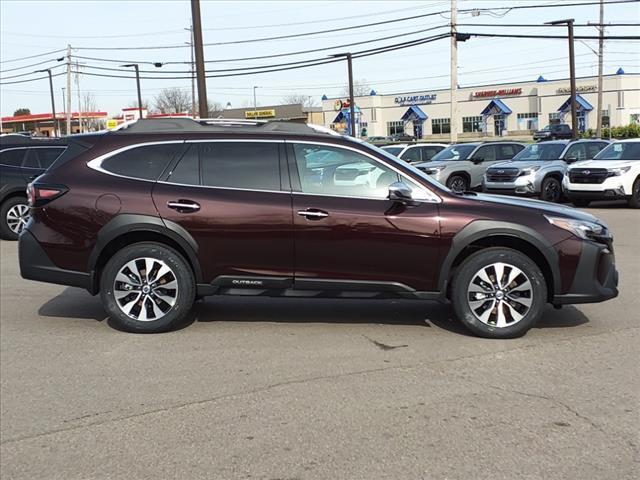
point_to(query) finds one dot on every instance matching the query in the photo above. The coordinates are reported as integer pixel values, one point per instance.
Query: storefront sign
(415, 99)
(580, 89)
(260, 114)
(112, 123)
(505, 92)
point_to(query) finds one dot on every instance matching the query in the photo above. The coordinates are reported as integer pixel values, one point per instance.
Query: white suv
(415, 153)
(613, 174)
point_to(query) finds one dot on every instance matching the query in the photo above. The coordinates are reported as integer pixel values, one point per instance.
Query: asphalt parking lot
(319, 389)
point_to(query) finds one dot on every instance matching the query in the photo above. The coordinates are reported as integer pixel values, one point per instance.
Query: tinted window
(251, 165)
(187, 171)
(345, 172)
(12, 158)
(46, 156)
(411, 155)
(486, 153)
(146, 162)
(393, 150)
(541, 151)
(429, 152)
(577, 151)
(31, 159)
(507, 152)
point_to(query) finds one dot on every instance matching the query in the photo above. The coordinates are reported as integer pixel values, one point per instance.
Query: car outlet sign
(415, 99)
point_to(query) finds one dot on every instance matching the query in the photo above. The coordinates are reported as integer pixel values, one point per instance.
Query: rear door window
(507, 152)
(187, 171)
(243, 165)
(12, 157)
(146, 162)
(31, 159)
(487, 153)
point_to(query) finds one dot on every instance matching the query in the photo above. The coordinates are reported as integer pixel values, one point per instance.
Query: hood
(520, 164)
(537, 205)
(603, 163)
(441, 163)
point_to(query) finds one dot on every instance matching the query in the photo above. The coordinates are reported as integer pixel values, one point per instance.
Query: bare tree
(214, 108)
(173, 100)
(361, 88)
(301, 98)
(89, 104)
(134, 104)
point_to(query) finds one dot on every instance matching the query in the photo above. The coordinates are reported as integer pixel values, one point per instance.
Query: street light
(53, 103)
(135, 65)
(572, 73)
(352, 110)
(255, 103)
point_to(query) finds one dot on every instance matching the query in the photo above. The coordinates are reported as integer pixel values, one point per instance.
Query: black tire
(11, 205)
(536, 293)
(170, 316)
(458, 183)
(580, 202)
(634, 200)
(551, 190)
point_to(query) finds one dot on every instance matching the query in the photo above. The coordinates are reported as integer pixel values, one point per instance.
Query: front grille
(588, 175)
(502, 174)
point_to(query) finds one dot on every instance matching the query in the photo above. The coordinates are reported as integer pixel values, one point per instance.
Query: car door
(348, 235)
(479, 161)
(232, 198)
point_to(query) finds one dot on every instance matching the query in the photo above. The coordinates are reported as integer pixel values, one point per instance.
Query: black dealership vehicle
(555, 131)
(164, 211)
(22, 159)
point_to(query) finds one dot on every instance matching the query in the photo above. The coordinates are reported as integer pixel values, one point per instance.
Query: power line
(30, 73)
(33, 56)
(27, 66)
(563, 37)
(32, 79)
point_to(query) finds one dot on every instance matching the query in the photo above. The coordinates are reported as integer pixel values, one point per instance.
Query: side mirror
(477, 160)
(401, 193)
(571, 159)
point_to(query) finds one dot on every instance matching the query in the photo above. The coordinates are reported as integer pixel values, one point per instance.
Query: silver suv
(538, 169)
(461, 166)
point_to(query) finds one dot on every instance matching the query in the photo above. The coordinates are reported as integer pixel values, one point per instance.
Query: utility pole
(135, 65)
(68, 103)
(352, 103)
(199, 51)
(79, 98)
(255, 101)
(600, 67)
(53, 102)
(193, 74)
(572, 74)
(453, 114)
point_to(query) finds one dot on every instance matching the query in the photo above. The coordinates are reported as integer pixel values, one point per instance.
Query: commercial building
(512, 109)
(43, 123)
(294, 112)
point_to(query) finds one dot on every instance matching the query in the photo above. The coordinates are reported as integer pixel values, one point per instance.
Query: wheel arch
(127, 229)
(483, 234)
(461, 173)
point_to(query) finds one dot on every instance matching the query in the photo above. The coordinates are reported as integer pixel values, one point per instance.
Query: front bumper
(611, 189)
(35, 264)
(524, 185)
(596, 277)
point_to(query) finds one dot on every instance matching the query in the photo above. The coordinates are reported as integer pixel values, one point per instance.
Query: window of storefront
(606, 119)
(395, 128)
(554, 117)
(527, 121)
(374, 115)
(472, 124)
(440, 125)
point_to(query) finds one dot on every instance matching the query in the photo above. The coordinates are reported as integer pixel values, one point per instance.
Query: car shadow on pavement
(78, 304)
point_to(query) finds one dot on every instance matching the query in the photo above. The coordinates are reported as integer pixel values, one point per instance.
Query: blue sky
(30, 27)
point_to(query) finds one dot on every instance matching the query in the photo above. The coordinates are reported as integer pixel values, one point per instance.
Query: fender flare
(127, 223)
(487, 228)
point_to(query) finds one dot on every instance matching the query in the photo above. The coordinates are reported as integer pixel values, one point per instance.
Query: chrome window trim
(434, 198)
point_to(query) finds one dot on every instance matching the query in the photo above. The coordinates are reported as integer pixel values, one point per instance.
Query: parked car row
(181, 209)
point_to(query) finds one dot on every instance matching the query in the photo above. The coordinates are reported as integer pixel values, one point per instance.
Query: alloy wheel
(145, 289)
(500, 295)
(552, 192)
(458, 184)
(17, 218)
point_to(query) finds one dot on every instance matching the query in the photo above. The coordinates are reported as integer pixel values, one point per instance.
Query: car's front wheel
(14, 215)
(458, 183)
(634, 201)
(551, 190)
(147, 288)
(498, 293)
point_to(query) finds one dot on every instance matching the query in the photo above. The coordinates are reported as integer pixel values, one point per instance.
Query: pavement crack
(384, 346)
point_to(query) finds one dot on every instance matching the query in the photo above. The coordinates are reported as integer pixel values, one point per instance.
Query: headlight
(529, 170)
(580, 228)
(434, 170)
(616, 172)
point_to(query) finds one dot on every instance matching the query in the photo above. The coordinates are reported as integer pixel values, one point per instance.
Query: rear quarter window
(12, 157)
(146, 162)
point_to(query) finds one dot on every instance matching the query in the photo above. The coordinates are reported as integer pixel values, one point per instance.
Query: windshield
(540, 151)
(620, 151)
(393, 150)
(454, 152)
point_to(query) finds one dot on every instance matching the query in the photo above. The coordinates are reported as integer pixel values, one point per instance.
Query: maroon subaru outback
(163, 212)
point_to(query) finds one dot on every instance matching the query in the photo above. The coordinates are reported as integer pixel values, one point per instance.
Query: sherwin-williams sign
(415, 99)
(505, 92)
(260, 114)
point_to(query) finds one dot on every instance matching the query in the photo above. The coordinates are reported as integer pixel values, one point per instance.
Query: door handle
(184, 206)
(313, 214)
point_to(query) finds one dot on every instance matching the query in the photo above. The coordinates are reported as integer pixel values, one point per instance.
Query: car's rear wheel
(458, 183)
(551, 190)
(14, 215)
(580, 202)
(634, 201)
(147, 288)
(498, 293)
